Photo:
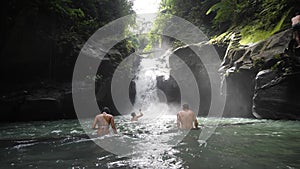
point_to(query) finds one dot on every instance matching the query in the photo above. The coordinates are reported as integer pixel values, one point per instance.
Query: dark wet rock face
(239, 94)
(39, 109)
(199, 72)
(263, 79)
(42, 102)
(277, 97)
(53, 100)
(170, 89)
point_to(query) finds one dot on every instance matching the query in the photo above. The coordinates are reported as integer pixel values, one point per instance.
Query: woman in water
(103, 121)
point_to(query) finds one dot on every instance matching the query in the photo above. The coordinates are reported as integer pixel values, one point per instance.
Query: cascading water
(149, 97)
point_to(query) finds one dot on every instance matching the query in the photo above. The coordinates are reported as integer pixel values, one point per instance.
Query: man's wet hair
(106, 110)
(185, 106)
(133, 114)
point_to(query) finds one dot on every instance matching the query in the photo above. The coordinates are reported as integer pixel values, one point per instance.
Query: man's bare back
(186, 119)
(103, 121)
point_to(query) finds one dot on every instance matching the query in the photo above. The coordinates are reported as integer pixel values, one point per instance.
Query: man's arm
(94, 123)
(195, 121)
(113, 125)
(178, 120)
(140, 115)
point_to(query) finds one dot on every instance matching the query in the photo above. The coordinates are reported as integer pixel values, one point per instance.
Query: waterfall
(148, 97)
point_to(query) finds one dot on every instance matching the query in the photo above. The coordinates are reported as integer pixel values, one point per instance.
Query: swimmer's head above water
(185, 106)
(133, 114)
(106, 110)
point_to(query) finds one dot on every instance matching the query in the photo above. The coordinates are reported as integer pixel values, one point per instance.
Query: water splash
(149, 97)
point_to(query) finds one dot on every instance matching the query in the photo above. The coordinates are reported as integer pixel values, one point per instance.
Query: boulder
(277, 96)
(39, 109)
(186, 54)
(239, 93)
(41, 101)
(67, 107)
(170, 89)
(251, 91)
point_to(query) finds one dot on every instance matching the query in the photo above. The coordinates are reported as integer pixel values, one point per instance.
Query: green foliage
(154, 36)
(257, 19)
(259, 62)
(224, 9)
(63, 24)
(254, 33)
(191, 10)
(147, 42)
(222, 38)
(64, 8)
(80, 18)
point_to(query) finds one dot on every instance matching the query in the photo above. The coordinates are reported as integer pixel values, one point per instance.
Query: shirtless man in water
(296, 28)
(186, 119)
(103, 121)
(136, 117)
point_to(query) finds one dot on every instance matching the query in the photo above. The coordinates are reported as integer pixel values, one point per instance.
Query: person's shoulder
(191, 111)
(109, 115)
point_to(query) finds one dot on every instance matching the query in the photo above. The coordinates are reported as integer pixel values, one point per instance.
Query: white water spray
(149, 97)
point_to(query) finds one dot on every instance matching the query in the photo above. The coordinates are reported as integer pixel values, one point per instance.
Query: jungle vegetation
(255, 20)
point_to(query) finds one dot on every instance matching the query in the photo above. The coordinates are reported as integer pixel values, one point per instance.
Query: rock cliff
(262, 79)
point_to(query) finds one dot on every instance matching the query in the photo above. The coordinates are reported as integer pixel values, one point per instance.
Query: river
(236, 143)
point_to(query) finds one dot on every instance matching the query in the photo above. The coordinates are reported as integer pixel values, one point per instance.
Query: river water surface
(236, 143)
